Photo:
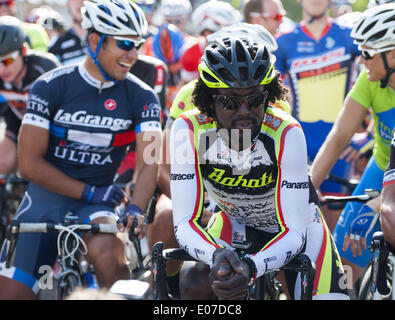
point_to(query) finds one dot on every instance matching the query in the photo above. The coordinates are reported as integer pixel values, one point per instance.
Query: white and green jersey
(382, 104)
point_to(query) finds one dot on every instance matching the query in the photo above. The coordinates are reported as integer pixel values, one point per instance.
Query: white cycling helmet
(373, 3)
(213, 15)
(376, 27)
(114, 17)
(349, 19)
(175, 8)
(257, 32)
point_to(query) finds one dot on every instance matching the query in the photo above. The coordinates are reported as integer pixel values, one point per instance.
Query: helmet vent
(3, 37)
(378, 35)
(370, 26)
(209, 77)
(225, 74)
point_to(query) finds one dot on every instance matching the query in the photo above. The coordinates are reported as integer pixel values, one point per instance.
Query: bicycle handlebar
(369, 195)
(51, 227)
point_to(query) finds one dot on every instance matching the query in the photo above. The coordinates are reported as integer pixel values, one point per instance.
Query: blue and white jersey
(90, 123)
(320, 73)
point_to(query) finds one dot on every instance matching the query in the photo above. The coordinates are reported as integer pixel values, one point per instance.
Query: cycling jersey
(90, 123)
(264, 187)
(381, 101)
(183, 102)
(320, 75)
(69, 48)
(37, 36)
(36, 63)
(389, 175)
(382, 104)
(153, 72)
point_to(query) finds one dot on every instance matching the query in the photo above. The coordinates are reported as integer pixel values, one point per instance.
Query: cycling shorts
(330, 281)
(36, 251)
(372, 178)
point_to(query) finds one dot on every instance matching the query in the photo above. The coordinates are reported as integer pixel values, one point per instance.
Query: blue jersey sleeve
(41, 103)
(147, 115)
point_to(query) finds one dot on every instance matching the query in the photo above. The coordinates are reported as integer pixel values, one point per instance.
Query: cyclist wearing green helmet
(252, 160)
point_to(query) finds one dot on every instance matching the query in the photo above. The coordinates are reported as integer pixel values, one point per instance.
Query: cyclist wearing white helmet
(79, 122)
(373, 3)
(374, 91)
(175, 12)
(207, 18)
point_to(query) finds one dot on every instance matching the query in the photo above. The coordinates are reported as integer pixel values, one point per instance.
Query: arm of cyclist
(292, 203)
(360, 143)
(33, 152)
(32, 148)
(388, 199)
(346, 124)
(147, 157)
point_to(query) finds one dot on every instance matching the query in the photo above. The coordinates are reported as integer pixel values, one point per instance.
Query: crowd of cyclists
(230, 111)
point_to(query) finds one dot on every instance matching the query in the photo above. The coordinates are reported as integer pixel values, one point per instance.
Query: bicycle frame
(301, 263)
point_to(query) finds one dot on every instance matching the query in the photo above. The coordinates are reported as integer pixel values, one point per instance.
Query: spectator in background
(175, 12)
(267, 13)
(37, 38)
(19, 68)
(340, 7)
(50, 19)
(70, 47)
(317, 57)
(167, 45)
(207, 18)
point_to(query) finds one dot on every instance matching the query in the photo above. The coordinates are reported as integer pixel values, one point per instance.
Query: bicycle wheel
(66, 286)
(365, 292)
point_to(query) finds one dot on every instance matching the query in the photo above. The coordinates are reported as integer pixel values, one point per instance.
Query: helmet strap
(96, 61)
(390, 71)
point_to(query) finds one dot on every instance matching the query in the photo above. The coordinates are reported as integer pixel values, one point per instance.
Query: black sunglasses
(128, 44)
(233, 102)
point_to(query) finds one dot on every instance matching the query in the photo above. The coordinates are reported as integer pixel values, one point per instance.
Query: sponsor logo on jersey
(181, 105)
(272, 122)
(151, 111)
(314, 60)
(182, 176)
(202, 118)
(218, 175)
(295, 185)
(81, 118)
(110, 104)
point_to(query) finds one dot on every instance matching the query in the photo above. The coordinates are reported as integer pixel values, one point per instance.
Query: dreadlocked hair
(202, 95)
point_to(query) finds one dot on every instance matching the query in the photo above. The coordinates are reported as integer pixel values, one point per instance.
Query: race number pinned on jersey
(110, 104)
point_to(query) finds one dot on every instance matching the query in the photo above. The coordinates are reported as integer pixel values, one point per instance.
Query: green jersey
(382, 104)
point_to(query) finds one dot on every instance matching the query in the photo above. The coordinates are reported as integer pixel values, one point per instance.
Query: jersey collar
(324, 32)
(92, 81)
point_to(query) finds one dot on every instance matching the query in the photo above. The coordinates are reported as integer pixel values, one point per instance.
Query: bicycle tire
(66, 286)
(366, 283)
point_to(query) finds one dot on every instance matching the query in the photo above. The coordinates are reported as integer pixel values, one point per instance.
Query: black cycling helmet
(230, 62)
(12, 35)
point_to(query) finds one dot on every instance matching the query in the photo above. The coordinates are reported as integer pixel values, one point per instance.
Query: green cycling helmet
(236, 62)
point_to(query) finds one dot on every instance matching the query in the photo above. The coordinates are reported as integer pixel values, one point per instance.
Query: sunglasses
(233, 102)
(7, 3)
(368, 54)
(278, 17)
(9, 59)
(175, 21)
(128, 44)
